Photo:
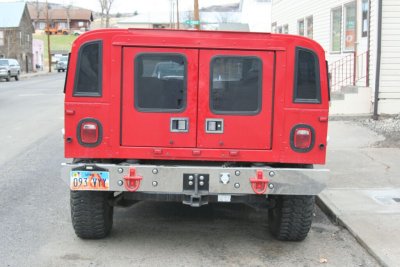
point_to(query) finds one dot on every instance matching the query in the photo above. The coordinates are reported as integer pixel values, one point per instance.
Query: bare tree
(105, 6)
(68, 11)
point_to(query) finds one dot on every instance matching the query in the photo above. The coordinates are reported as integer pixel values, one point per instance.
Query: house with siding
(16, 34)
(361, 39)
(60, 17)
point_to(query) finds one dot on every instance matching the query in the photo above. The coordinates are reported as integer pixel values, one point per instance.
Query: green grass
(57, 42)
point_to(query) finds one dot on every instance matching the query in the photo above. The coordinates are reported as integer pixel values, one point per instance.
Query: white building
(349, 29)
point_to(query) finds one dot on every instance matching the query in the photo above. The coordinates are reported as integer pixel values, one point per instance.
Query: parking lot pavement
(363, 192)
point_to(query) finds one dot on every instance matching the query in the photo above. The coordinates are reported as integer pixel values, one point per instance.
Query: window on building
(286, 28)
(273, 27)
(62, 25)
(310, 25)
(42, 25)
(300, 27)
(89, 70)
(160, 82)
(1, 38)
(20, 38)
(365, 17)
(350, 26)
(279, 29)
(80, 24)
(336, 29)
(235, 85)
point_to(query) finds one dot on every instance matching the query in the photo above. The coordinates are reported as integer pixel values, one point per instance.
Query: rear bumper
(163, 179)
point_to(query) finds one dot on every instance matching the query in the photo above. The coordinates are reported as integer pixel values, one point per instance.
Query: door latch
(214, 126)
(179, 125)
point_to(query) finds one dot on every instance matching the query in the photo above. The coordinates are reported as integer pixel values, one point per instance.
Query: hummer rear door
(235, 99)
(159, 97)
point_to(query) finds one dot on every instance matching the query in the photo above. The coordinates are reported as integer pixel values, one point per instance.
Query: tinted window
(160, 82)
(307, 84)
(88, 72)
(235, 85)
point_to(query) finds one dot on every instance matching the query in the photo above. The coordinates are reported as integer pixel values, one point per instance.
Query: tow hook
(132, 181)
(259, 183)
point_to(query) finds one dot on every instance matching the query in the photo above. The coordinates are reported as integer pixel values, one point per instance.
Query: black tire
(291, 217)
(16, 77)
(8, 77)
(91, 214)
(58, 70)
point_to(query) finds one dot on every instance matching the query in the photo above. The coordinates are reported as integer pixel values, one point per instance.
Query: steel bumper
(165, 179)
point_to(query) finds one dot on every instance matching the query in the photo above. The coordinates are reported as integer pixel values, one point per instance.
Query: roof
(60, 13)
(11, 14)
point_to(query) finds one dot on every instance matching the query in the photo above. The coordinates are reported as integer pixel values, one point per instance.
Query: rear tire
(291, 218)
(17, 77)
(8, 77)
(91, 214)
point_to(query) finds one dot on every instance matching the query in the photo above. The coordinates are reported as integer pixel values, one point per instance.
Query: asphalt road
(35, 225)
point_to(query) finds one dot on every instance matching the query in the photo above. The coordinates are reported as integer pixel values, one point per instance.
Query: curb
(28, 76)
(335, 217)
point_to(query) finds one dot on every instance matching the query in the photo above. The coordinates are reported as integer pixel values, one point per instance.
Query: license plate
(90, 180)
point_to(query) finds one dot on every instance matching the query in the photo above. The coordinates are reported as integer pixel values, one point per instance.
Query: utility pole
(177, 14)
(48, 35)
(196, 14)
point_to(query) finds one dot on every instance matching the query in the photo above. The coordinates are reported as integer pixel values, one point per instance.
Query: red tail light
(89, 132)
(302, 138)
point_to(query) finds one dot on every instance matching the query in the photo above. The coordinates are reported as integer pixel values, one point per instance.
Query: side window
(306, 81)
(160, 82)
(235, 85)
(89, 70)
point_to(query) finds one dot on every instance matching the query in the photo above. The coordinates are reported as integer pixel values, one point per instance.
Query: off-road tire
(291, 217)
(91, 214)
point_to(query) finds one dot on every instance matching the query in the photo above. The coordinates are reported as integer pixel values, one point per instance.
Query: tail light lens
(302, 138)
(89, 132)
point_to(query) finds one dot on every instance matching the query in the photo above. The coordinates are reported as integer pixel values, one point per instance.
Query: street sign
(192, 22)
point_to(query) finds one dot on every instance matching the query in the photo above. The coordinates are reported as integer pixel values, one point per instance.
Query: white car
(9, 68)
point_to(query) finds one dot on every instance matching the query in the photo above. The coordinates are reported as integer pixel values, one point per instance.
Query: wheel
(16, 77)
(8, 77)
(91, 214)
(290, 219)
(58, 70)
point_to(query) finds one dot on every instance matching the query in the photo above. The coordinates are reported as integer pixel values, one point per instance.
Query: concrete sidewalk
(363, 191)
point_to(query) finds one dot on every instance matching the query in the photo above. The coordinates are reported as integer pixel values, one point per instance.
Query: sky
(129, 6)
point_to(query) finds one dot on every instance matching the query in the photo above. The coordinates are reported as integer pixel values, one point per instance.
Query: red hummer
(195, 117)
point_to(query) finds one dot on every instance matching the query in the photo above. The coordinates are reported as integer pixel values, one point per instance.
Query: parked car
(9, 68)
(62, 64)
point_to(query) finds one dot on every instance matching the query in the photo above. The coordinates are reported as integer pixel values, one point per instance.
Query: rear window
(307, 82)
(235, 85)
(3, 63)
(160, 82)
(89, 69)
